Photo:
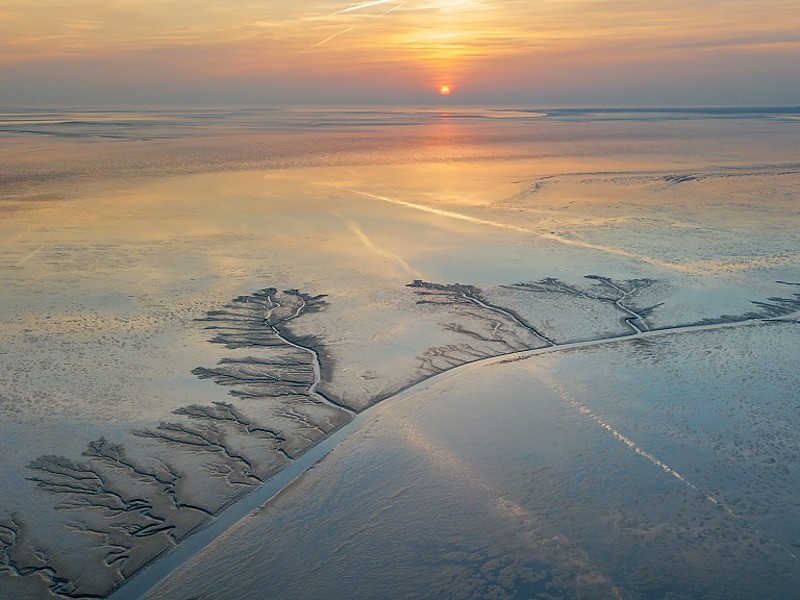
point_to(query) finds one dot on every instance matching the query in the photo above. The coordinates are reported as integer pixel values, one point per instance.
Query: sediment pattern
(773, 308)
(487, 329)
(605, 291)
(524, 316)
(126, 506)
(121, 507)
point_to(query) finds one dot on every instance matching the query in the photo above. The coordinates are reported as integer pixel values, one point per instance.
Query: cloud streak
(354, 8)
(331, 37)
(512, 46)
(362, 6)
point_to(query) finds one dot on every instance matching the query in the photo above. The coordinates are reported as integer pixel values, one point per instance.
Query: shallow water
(568, 474)
(120, 229)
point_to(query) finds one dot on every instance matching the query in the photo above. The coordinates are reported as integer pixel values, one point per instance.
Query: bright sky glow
(400, 50)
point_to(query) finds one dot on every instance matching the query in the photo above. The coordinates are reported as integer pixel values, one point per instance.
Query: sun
(444, 90)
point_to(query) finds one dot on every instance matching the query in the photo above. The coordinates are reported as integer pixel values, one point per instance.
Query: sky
(312, 52)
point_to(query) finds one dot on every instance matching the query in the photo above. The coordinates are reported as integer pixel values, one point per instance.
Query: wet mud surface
(151, 384)
(126, 510)
(634, 468)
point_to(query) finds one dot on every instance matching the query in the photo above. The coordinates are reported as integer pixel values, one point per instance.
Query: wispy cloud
(355, 8)
(491, 44)
(394, 8)
(331, 37)
(362, 6)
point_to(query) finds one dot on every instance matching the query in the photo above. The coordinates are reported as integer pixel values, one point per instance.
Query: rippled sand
(191, 301)
(623, 470)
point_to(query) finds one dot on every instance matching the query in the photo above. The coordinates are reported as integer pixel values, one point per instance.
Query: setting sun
(444, 90)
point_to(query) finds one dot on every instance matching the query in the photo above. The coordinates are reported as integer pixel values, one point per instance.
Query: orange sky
(506, 51)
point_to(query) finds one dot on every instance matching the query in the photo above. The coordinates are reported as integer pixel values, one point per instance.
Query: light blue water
(542, 478)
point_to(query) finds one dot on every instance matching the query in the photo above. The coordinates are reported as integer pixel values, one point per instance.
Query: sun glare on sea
(444, 90)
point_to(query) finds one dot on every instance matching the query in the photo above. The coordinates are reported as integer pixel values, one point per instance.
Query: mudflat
(578, 329)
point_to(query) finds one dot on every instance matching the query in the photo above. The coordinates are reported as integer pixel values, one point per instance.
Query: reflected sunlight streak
(540, 233)
(528, 525)
(558, 389)
(402, 266)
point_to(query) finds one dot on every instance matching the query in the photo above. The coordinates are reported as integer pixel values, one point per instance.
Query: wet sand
(536, 478)
(156, 381)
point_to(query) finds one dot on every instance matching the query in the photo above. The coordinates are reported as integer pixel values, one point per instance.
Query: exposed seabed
(132, 442)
